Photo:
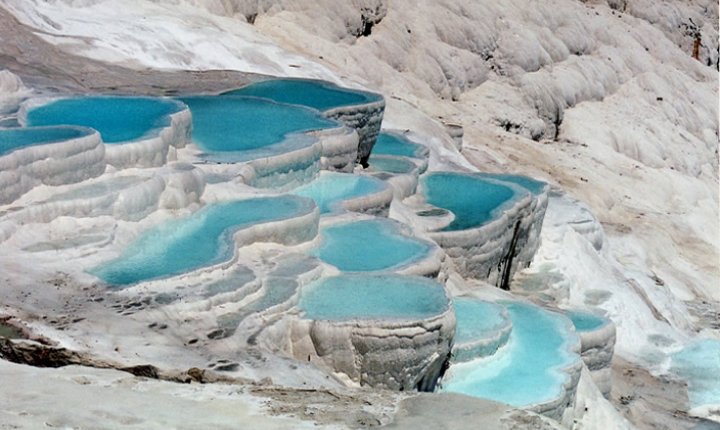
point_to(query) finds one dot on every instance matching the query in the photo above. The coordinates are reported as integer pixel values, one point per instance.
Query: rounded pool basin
(395, 144)
(476, 318)
(315, 94)
(232, 125)
(533, 185)
(117, 119)
(369, 245)
(473, 199)
(482, 328)
(698, 363)
(586, 321)
(391, 164)
(16, 138)
(331, 189)
(371, 297)
(530, 369)
(201, 239)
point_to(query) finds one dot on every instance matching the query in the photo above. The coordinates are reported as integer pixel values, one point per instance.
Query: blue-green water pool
(699, 364)
(393, 144)
(473, 199)
(365, 297)
(476, 318)
(331, 189)
(529, 369)
(391, 164)
(227, 125)
(533, 185)
(315, 94)
(202, 239)
(15, 138)
(369, 245)
(117, 119)
(585, 321)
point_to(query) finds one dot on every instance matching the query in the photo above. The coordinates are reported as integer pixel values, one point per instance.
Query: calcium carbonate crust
(383, 353)
(147, 151)
(597, 349)
(66, 162)
(495, 250)
(366, 119)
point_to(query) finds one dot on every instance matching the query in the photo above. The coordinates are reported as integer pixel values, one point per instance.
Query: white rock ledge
(152, 151)
(57, 163)
(484, 346)
(395, 354)
(339, 148)
(366, 119)
(377, 204)
(495, 250)
(404, 184)
(597, 349)
(287, 164)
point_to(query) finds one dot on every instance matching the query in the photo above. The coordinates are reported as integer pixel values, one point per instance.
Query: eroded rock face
(597, 348)
(367, 329)
(12, 91)
(366, 119)
(69, 161)
(399, 355)
(496, 250)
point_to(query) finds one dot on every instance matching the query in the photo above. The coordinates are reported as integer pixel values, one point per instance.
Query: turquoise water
(472, 199)
(117, 119)
(202, 239)
(232, 124)
(275, 292)
(528, 370)
(14, 138)
(585, 321)
(330, 189)
(369, 245)
(534, 186)
(315, 94)
(373, 297)
(699, 364)
(391, 164)
(392, 144)
(97, 189)
(476, 319)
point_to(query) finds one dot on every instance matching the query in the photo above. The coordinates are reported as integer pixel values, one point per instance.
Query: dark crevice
(367, 28)
(368, 19)
(505, 265)
(557, 121)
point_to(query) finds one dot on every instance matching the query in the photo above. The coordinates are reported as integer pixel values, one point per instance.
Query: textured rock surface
(366, 119)
(384, 354)
(126, 197)
(495, 250)
(597, 348)
(70, 161)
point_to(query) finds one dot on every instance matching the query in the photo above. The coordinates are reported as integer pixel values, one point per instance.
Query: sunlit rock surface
(495, 228)
(383, 330)
(597, 344)
(49, 156)
(137, 131)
